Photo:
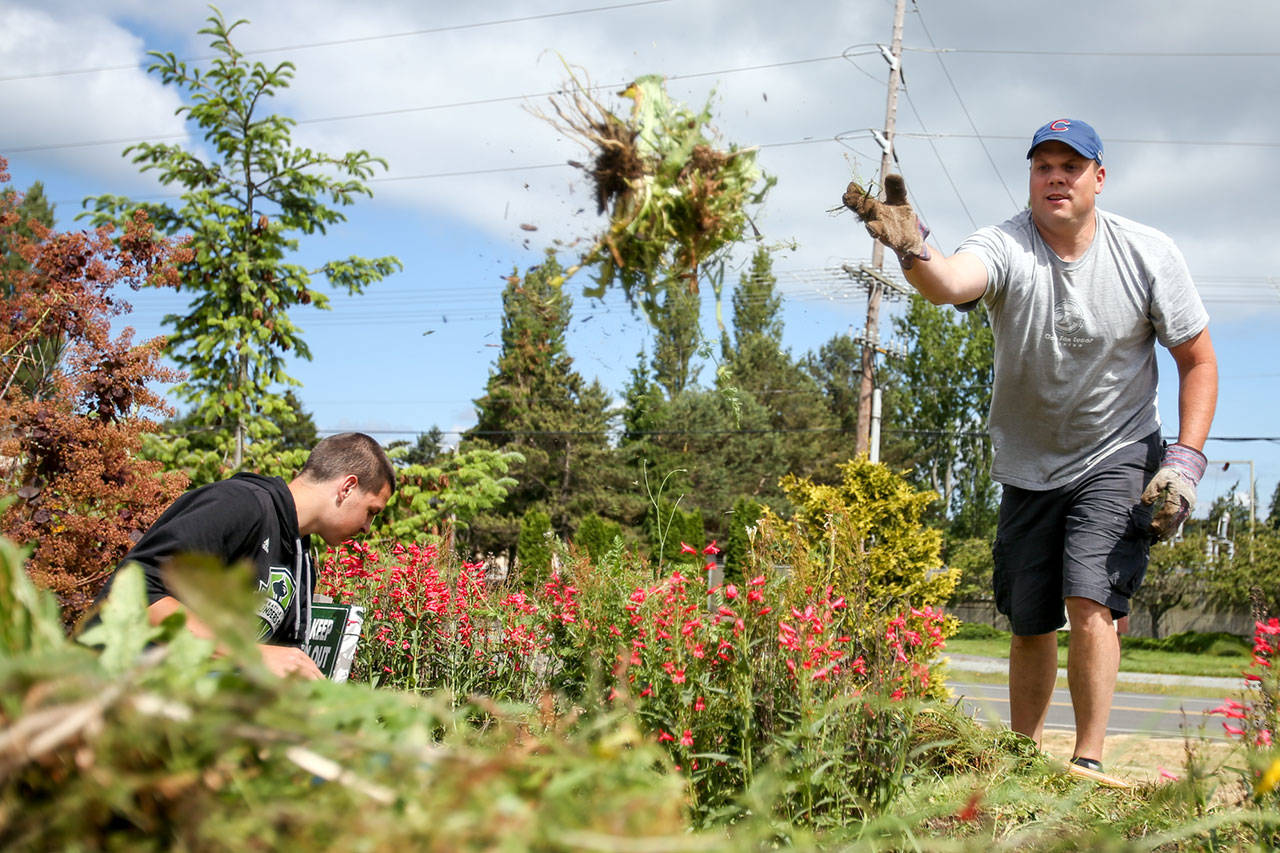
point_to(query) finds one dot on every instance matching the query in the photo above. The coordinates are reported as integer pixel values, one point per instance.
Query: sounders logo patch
(280, 590)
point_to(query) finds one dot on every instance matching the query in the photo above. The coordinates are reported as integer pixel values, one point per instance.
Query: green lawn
(1219, 655)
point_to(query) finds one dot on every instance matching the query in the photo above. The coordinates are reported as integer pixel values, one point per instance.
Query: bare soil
(1141, 759)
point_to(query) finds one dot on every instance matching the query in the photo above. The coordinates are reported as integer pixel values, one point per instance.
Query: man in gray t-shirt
(1077, 298)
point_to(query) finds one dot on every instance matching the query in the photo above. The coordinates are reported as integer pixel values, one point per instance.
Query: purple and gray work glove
(891, 221)
(1172, 491)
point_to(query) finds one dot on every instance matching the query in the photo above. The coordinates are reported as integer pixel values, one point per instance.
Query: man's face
(353, 512)
(1064, 185)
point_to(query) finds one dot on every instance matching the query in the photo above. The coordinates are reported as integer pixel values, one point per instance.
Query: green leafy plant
(244, 211)
(534, 549)
(597, 536)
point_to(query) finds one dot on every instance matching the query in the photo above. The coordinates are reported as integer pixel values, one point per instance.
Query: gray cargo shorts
(1089, 538)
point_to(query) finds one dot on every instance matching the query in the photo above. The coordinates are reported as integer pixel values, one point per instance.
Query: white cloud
(54, 110)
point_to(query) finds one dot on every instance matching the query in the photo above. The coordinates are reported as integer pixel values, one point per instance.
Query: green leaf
(123, 630)
(28, 616)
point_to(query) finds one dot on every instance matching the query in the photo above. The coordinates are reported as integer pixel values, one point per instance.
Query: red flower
(699, 704)
(711, 549)
(1232, 730)
(686, 548)
(686, 739)
(970, 811)
(730, 592)
(663, 736)
(677, 677)
(1230, 709)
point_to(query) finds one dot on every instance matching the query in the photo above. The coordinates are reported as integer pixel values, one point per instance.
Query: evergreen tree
(644, 407)
(31, 213)
(1273, 517)
(425, 450)
(533, 549)
(299, 431)
(596, 536)
(717, 449)
(837, 368)
(677, 334)
(32, 217)
(758, 365)
(536, 403)
(244, 209)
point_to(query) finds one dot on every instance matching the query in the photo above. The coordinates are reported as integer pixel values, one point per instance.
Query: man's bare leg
(1093, 660)
(1033, 672)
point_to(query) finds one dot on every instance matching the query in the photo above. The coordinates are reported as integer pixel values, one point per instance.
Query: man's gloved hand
(1172, 491)
(891, 221)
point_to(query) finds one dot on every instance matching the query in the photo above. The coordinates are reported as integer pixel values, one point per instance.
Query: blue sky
(1182, 95)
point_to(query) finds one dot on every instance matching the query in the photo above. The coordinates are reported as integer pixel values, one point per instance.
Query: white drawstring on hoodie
(302, 579)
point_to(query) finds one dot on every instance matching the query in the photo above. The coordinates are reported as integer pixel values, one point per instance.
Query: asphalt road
(1131, 713)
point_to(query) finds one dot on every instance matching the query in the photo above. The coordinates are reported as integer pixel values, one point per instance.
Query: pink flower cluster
(810, 645)
(414, 611)
(901, 636)
(1252, 714)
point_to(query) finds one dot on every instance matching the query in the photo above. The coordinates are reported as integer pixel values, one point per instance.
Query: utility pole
(894, 57)
(1226, 464)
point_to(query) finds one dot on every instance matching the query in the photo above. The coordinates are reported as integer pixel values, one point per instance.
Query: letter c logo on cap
(1060, 125)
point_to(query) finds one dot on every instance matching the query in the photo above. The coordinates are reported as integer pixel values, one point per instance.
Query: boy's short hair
(351, 453)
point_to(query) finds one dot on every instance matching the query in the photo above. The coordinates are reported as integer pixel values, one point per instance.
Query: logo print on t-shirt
(1068, 317)
(280, 592)
(280, 586)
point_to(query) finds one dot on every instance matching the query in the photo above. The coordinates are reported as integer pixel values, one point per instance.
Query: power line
(720, 432)
(350, 40)
(1110, 140)
(23, 149)
(689, 76)
(965, 110)
(1140, 54)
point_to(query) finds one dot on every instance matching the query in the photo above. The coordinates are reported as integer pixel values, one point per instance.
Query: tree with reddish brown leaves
(68, 444)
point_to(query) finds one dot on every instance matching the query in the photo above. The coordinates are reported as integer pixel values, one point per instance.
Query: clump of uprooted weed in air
(676, 201)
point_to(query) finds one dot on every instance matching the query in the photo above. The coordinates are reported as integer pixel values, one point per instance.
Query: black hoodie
(248, 517)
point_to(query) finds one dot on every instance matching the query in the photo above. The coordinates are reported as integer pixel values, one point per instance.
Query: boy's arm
(280, 660)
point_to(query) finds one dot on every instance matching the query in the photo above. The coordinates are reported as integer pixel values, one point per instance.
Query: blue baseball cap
(1073, 132)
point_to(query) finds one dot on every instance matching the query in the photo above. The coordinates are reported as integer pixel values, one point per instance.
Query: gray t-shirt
(1075, 363)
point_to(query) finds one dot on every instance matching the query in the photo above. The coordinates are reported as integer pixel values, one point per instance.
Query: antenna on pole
(871, 338)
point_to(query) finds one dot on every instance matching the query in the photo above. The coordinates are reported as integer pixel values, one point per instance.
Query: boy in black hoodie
(346, 481)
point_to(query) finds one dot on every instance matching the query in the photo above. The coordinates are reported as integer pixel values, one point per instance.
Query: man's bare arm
(952, 280)
(1197, 388)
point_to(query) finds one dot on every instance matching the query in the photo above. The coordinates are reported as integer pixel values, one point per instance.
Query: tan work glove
(891, 221)
(1172, 491)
